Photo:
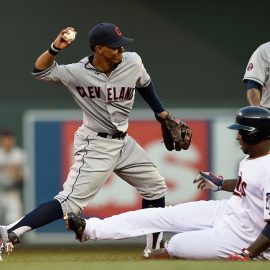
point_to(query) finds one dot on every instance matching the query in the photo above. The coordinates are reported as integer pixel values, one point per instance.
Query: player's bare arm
(254, 97)
(260, 244)
(46, 59)
(229, 185)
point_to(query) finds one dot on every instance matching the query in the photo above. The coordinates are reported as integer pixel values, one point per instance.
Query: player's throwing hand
(207, 180)
(64, 39)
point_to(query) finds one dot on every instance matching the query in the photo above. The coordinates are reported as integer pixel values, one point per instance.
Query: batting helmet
(253, 124)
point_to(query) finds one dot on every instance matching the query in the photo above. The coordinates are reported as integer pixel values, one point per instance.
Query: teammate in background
(236, 229)
(103, 85)
(257, 77)
(12, 176)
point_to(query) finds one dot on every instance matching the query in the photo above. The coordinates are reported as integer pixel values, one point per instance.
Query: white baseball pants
(198, 228)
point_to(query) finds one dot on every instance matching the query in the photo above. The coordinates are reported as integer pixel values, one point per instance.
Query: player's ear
(240, 136)
(99, 49)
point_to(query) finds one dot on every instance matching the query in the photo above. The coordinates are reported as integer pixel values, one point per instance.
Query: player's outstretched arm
(62, 41)
(209, 181)
(229, 185)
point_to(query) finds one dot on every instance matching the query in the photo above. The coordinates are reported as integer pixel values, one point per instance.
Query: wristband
(54, 50)
(220, 184)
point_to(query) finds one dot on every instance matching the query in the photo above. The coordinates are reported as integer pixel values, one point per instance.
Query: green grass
(104, 257)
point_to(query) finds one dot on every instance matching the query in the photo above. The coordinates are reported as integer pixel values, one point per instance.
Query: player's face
(113, 55)
(7, 142)
(243, 144)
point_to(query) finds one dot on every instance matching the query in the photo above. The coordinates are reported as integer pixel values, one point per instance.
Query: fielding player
(103, 84)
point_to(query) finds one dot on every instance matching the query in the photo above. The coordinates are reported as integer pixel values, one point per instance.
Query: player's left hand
(207, 180)
(176, 134)
(243, 256)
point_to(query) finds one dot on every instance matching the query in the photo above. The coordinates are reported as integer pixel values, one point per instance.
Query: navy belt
(118, 135)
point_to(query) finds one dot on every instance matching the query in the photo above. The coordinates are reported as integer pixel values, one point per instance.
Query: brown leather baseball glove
(176, 134)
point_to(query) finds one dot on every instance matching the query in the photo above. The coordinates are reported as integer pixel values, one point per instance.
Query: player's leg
(213, 243)
(84, 180)
(94, 164)
(153, 240)
(138, 170)
(191, 216)
(42, 215)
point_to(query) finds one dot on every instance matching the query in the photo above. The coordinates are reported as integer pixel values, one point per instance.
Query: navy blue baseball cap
(6, 132)
(107, 34)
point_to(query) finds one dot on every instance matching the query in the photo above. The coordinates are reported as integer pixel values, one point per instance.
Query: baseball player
(103, 85)
(257, 77)
(12, 176)
(237, 228)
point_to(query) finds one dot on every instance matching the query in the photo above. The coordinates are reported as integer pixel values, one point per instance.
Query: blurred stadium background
(196, 53)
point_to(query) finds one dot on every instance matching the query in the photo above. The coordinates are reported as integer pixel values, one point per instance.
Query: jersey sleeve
(258, 66)
(143, 77)
(55, 73)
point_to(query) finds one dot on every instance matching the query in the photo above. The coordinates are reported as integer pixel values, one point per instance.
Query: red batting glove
(244, 256)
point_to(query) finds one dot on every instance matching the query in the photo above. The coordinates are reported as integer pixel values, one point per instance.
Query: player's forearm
(62, 41)
(229, 185)
(259, 245)
(253, 97)
(44, 61)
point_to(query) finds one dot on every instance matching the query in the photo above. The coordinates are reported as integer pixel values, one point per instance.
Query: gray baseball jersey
(258, 70)
(106, 102)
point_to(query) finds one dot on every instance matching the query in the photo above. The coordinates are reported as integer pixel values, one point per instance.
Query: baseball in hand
(70, 35)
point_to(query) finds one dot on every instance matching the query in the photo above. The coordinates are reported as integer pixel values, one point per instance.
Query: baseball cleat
(154, 241)
(76, 224)
(160, 253)
(5, 243)
(13, 238)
